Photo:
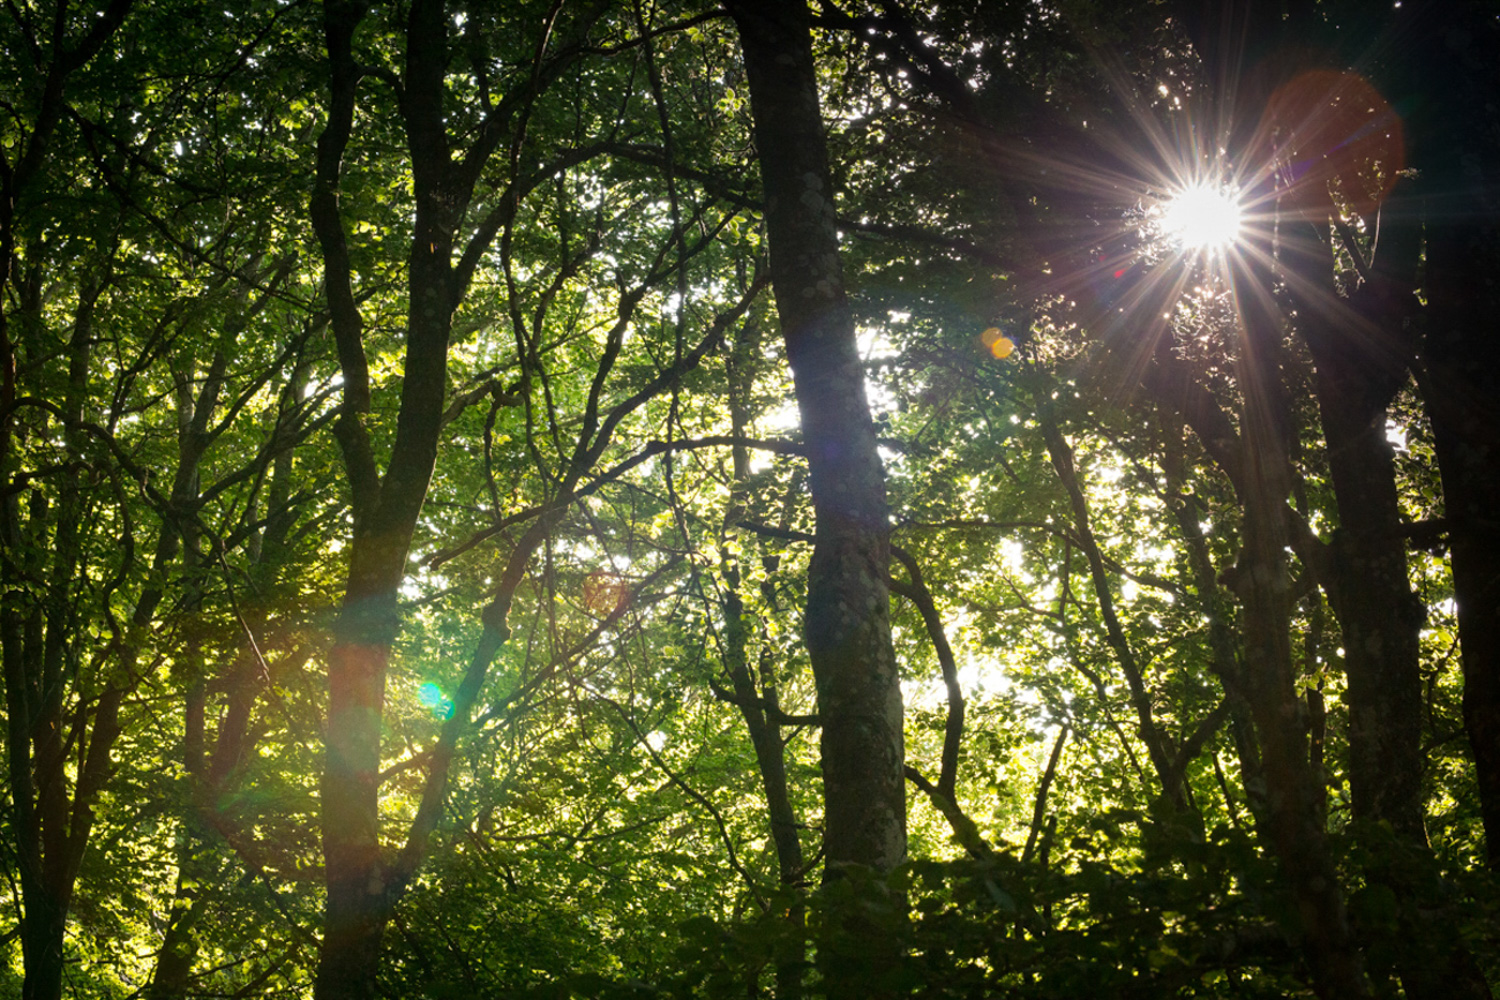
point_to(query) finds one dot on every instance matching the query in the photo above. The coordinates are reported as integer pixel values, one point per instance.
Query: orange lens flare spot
(604, 593)
(1336, 143)
(998, 343)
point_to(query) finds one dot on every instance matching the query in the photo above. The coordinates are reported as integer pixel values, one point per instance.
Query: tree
(847, 625)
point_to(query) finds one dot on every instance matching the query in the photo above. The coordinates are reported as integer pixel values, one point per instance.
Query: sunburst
(1202, 217)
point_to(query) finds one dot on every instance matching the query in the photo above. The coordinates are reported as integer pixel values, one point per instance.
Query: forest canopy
(850, 498)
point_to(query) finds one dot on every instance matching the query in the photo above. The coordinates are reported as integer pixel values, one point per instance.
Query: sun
(1202, 217)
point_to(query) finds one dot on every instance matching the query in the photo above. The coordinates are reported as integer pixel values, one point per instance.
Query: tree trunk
(208, 770)
(1173, 787)
(847, 626)
(1293, 793)
(1359, 351)
(1462, 388)
(47, 844)
(53, 810)
(1454, 146)
(1358, 372)
(1294, 790)
(759, 707)
(1226, 660)
(385, 507)
(364, 885)
(848, 605)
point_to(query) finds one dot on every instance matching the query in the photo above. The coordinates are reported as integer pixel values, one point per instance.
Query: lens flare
(998, 344)
(432, 698)
(1202, 217)
(1337, 145)
(604, 593)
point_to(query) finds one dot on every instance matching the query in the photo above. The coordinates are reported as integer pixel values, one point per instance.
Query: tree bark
(385, 507)
(848, 604)
(847, 624)
(758, 707)
(1293, 791)
(1453, 145)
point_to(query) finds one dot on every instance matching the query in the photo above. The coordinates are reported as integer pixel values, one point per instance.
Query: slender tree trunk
(45, 847)
(847, 625)
(208, 770)
(53, 810)
(770, 758)
(1226, 660)
(1160, 754)
(758, 707)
